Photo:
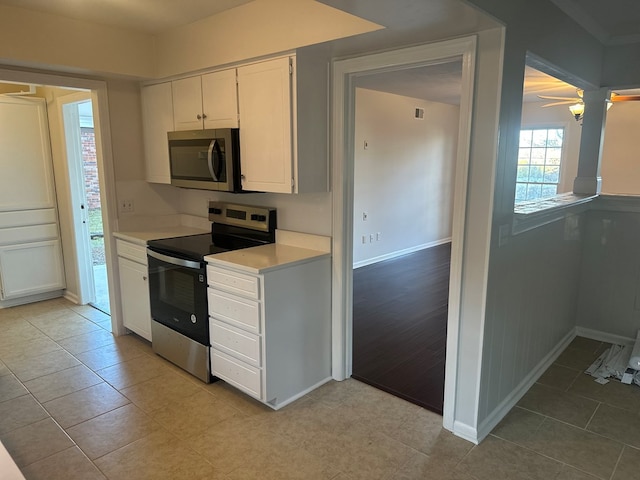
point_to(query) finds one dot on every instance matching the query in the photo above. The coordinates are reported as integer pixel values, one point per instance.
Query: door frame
(84, 270)
(342, 143)
(104, 156)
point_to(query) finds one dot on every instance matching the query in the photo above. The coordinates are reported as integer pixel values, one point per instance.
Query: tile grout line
(586, 427)
(624, 446)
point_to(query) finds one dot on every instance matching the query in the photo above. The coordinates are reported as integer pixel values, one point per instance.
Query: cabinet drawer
(237, 373)
(137, 253)
(237, 311)
(235, 342)
(233, 282)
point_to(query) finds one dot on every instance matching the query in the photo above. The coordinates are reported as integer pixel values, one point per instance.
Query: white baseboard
(514, 397)
(399, 253)
(604, 337)
(30, 299)
(465, 431)
(72, 297)
(292, 399)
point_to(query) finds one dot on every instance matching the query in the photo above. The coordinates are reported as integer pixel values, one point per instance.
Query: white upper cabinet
(266, 115)
(283, 123)
(220, 99)
(157, 113)
(208, 101)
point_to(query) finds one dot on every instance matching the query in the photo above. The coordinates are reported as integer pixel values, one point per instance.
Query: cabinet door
(134, 288)
(220, 99)
(31, 268)
(26, 178)
(187, 103)
(265, 106)
(157, 120)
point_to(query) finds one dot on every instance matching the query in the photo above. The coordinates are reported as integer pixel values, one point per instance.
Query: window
(539, 159)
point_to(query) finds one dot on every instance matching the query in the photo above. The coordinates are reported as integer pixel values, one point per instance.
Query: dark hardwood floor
(400, 325)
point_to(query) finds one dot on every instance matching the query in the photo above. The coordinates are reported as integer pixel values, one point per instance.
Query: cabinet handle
(199, 117)
(144, 278)
(204, 115)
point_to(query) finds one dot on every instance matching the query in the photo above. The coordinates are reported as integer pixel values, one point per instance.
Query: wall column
(588, 181)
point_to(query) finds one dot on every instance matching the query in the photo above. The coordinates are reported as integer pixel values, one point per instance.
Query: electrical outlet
(126, 206)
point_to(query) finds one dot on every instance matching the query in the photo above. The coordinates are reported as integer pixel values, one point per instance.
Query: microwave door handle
(212, 145)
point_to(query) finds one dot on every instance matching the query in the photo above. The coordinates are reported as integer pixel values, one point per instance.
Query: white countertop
(261, 259)
(143, 236)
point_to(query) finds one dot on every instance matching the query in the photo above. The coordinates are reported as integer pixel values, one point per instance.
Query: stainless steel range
(178, 281)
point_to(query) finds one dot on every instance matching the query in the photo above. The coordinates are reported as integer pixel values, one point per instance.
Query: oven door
(178, 294)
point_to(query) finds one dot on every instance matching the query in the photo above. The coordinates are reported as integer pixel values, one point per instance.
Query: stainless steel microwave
(206, 159)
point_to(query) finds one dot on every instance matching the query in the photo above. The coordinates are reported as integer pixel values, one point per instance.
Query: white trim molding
(343, 121)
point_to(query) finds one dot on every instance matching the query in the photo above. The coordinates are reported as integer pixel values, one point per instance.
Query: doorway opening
(345, 75)
(406, 136)
(80, 146)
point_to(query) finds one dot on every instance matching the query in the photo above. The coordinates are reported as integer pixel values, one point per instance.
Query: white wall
(621, 153)
(533, 115)
(255, 29)
(609, 282)
(404, 179)
(42, 40)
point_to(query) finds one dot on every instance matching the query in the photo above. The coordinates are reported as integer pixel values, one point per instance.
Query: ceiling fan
(576, 104)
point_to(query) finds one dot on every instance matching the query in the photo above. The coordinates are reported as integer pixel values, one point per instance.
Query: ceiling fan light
(577, 110)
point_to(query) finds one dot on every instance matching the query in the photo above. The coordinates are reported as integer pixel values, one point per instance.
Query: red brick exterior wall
(92, 187)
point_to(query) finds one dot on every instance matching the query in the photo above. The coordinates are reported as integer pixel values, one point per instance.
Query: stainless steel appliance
(206, 159)
(178, 282)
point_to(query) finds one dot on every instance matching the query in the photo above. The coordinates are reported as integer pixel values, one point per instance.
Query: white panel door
(220, 99)
(26, 181)
(266, 149)
(157, 120)
(31, 268)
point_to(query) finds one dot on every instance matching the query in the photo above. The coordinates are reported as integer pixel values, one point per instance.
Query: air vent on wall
(419, 114)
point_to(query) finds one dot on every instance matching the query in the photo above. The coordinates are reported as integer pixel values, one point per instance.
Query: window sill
(535, 213)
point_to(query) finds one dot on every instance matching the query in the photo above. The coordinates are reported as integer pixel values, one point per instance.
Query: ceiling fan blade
(625, 98)
(546, 97)
(564, 102)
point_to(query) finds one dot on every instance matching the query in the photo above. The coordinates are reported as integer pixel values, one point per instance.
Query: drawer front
(237, 373)
(235, 342)
(234, 282)
(137, 253)
(239, 312)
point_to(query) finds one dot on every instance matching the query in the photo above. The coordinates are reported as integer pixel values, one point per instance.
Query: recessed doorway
(80, 145)
(406, 137)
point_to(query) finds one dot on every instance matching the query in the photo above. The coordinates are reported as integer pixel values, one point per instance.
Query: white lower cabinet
(270, 332)
(134, 288)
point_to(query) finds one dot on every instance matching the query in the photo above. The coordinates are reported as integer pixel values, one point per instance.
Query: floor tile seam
(51, 373)
(560, 461)
(93, 460)
(531, 450)
(62, 429)
(78, 391)
(547, 416)
(613, 473)
(586, 427)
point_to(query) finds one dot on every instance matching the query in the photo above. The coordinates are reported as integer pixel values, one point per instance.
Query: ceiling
(612, 21)
(147, 16)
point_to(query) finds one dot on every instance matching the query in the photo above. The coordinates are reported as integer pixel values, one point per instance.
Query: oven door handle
(174, 261)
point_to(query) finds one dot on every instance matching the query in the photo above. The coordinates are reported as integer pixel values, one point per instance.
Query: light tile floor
(77, 403)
